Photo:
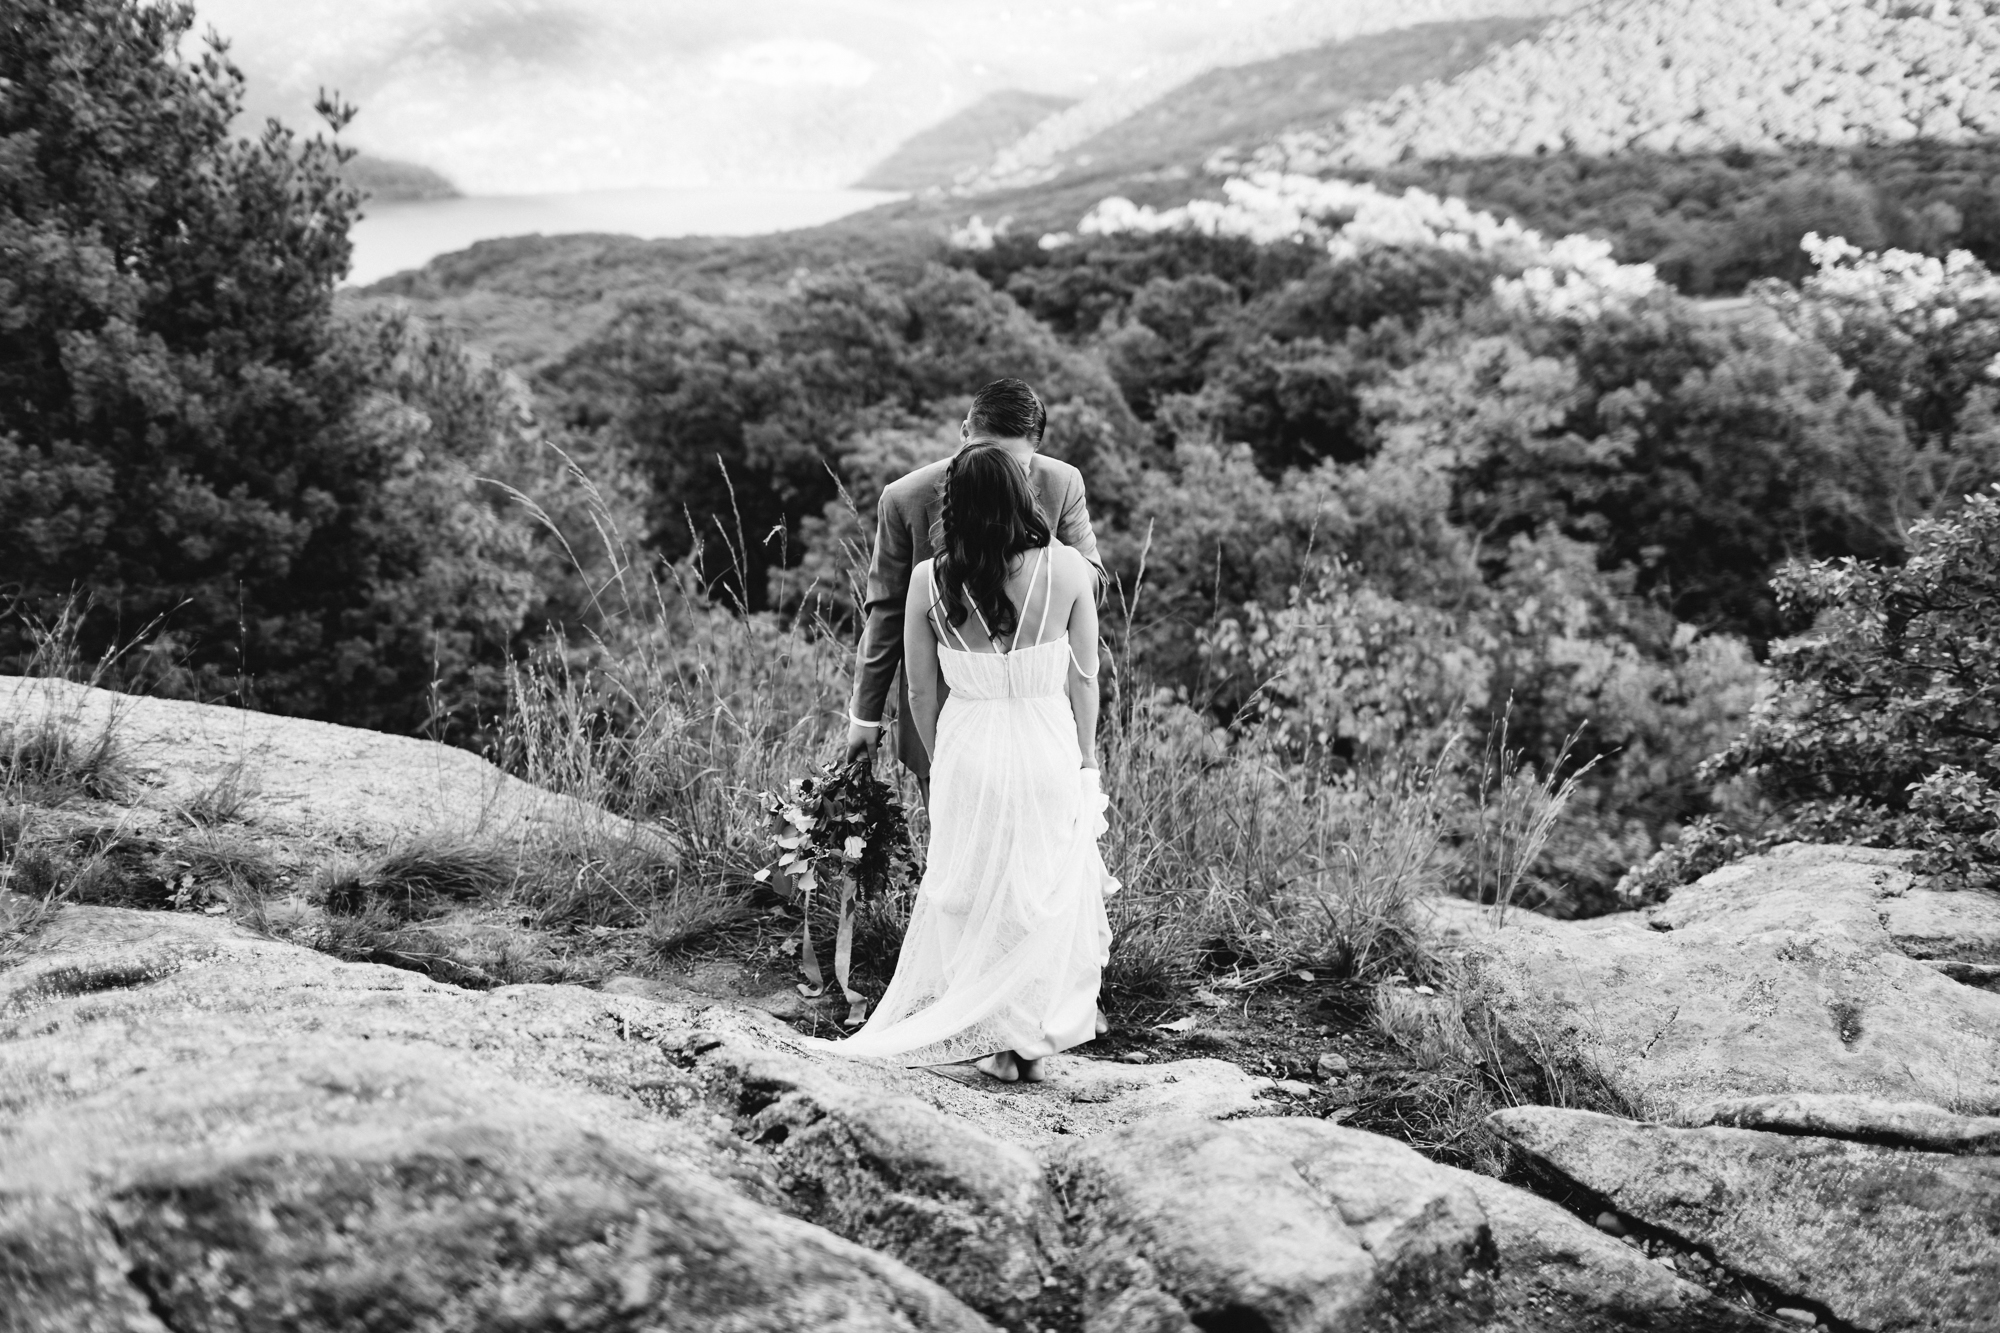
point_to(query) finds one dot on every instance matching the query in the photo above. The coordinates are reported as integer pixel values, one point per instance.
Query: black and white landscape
(1546, 463)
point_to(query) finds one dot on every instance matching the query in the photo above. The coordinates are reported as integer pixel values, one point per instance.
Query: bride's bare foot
(999, 1065)
(1030, 1070)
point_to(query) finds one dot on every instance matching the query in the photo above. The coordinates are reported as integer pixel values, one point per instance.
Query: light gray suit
(903, 523)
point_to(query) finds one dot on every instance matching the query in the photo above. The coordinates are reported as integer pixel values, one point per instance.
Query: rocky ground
(203, 1126)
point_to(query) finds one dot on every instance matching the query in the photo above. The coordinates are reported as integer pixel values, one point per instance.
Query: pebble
(1292, 1087)
(1804, 1318)
(1135, 1057)
(1610, 1223)
(1331, 1065)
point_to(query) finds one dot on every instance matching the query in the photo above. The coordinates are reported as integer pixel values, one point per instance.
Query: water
(397, 236)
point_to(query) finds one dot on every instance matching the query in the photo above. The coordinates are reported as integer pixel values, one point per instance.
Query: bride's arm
(920, 659)
(1080, 578)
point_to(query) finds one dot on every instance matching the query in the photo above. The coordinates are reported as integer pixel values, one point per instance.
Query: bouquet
(838, 826)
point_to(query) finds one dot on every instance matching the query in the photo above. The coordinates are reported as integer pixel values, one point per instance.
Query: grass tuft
(222, 801)
(418, 880)
(1465, 1068)
(54, 757)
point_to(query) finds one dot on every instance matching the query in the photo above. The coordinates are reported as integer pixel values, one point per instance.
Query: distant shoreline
(397, 235)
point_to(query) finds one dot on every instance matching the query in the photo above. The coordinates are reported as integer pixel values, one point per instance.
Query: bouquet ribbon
(843, 956)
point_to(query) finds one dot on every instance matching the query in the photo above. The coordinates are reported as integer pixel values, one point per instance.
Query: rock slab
(1882, 1238)
(1780, 975)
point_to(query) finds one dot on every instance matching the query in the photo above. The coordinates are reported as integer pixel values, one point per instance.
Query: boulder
(1782, 974)
(441, 1209)
(1881, 1238)
(250, 1135)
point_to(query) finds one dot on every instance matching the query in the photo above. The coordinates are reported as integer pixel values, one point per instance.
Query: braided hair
(989, 516)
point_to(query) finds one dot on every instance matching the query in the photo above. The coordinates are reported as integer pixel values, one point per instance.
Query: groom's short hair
(1006, 410)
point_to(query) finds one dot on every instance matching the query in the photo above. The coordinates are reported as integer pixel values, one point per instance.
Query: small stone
(1633, 1241)
(1610, 1223)
(1135, 1057)
(1331, 1065)
(1804, 1318)
(1292, 1087)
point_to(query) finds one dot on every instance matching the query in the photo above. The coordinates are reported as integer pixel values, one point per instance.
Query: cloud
(793, 63)
(537, 96)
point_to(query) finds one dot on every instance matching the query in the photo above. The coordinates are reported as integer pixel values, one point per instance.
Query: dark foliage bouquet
(838, 826)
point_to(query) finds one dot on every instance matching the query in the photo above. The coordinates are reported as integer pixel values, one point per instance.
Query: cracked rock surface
(1882, 1238)
(201, 1129)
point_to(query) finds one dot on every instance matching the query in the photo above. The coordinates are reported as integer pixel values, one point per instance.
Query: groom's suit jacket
(904, 520)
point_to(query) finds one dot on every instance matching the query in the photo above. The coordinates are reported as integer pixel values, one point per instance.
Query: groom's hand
(862, 742)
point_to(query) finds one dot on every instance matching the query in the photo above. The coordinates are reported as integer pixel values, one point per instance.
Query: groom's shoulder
(915, 487)
(1066, 476)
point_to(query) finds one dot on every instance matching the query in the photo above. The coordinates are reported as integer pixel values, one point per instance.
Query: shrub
(1885, 720)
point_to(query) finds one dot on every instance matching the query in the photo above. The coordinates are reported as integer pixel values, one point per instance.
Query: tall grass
(674, 708)
(1514, 812)
(1236, 863)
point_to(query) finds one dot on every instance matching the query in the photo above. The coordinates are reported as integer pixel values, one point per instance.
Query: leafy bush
(1885, 720)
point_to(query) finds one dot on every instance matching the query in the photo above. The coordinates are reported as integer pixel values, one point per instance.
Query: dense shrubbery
(735, 411)
(1714, 222)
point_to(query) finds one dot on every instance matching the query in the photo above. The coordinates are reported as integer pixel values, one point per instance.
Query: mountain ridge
(964, 141)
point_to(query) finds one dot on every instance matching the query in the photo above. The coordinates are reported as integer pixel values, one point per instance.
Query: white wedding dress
(1008, 937)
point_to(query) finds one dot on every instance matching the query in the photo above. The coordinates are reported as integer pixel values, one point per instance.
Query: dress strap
(1048, 590)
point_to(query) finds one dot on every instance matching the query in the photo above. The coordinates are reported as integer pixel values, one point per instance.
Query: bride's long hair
(988, 517)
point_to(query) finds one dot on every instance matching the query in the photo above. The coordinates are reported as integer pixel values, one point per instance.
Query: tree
(188, 434)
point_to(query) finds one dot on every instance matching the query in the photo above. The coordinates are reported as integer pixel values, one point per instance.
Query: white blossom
(1571, 277)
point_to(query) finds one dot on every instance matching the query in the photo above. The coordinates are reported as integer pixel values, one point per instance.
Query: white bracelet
(872, 726)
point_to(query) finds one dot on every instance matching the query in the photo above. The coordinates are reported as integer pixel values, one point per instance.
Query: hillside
(1247, 104)
(389, 181)
(965, 142)
(1039, 155)
(1687, 76)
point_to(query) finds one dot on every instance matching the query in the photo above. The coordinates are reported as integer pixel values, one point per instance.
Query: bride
(1008, 938)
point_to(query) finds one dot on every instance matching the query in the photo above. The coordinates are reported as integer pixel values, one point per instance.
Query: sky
(539, 96)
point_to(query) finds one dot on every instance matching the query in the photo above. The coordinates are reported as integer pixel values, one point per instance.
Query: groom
(1006, 413)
